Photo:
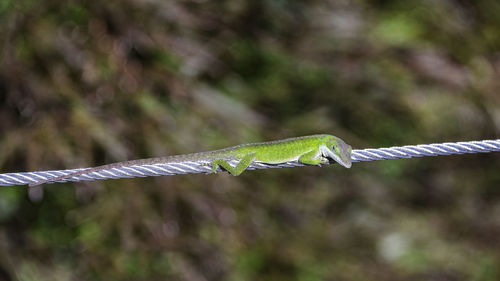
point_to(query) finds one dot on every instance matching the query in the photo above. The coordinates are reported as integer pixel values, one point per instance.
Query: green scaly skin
(310, 150)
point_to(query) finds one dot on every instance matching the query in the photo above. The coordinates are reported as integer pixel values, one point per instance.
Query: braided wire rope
(192, 167)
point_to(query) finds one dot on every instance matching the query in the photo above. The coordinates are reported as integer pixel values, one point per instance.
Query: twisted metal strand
(192, 167)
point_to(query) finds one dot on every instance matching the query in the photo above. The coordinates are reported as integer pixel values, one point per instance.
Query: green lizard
(311, 150)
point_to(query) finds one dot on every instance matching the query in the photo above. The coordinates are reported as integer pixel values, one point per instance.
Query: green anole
(310, 150)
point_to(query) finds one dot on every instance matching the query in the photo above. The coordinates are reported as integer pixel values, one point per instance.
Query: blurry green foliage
(86, 83)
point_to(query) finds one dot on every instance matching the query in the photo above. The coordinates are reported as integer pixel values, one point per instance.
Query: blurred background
(85, 83)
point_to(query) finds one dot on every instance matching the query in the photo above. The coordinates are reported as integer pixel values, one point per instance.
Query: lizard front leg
(313, 157)
(238, 169)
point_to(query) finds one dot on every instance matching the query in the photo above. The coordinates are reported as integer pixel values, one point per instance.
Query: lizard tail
(60, 178)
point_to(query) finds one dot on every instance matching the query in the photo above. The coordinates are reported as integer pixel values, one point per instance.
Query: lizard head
(339, 151)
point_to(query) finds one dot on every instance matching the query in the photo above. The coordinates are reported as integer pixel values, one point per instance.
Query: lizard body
(311, 150)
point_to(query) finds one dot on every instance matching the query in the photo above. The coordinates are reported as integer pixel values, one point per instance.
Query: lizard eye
(335, 148)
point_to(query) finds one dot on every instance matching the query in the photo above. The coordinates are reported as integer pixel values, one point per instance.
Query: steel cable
(192, 167)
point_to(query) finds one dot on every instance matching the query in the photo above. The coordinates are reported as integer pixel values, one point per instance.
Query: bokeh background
(85, 83)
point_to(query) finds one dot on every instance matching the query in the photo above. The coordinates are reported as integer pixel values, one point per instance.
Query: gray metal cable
(190, 167)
